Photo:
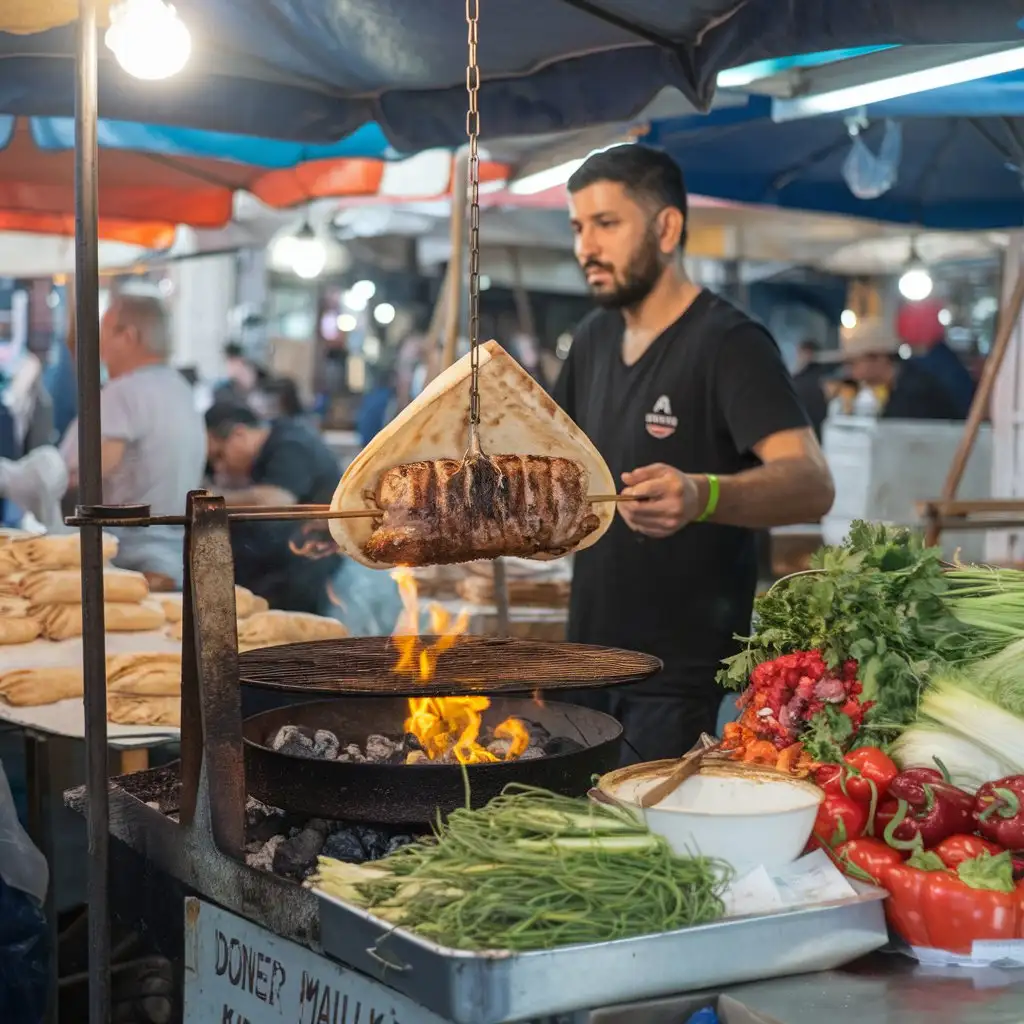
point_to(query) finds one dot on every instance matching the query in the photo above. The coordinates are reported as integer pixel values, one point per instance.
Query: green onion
(533, 870)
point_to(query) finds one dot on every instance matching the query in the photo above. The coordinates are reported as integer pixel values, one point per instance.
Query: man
(285, 463)
(871, 355)
(153, 442)
(809, 383)
(690, 404)
(920, 325)
(242, 376)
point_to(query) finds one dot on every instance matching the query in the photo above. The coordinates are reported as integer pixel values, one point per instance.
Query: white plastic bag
(870, 175)
(22, 866)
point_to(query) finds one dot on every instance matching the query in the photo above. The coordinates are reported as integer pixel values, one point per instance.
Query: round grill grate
(366, 666)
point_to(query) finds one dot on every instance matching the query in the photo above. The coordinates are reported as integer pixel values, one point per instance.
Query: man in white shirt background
(154, 439)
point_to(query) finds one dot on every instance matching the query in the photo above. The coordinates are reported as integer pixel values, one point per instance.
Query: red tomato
(839, 819)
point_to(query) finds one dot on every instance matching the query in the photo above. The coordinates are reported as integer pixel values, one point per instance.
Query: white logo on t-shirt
(660, 422)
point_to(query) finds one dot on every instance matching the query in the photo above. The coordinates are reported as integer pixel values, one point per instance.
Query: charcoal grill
(410, 794)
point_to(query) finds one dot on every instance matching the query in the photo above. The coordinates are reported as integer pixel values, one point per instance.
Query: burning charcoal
(294, 856)
(264, 860)
(355, 753)
(416, 757)
(326, 744)
(344, 845)
(530, 753)
(379, 748)
(375, 842)
(499, 748)
(291, 736)
(262, 822)
(561, 745)
(411, 742)
(538, 733)
(395, 843)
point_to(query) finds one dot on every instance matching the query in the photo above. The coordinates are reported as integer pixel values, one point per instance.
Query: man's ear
(670, 229)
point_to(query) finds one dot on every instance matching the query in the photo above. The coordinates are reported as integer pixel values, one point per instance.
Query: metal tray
(494, 988)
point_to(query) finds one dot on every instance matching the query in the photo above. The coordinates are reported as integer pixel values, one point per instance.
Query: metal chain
(473, 189)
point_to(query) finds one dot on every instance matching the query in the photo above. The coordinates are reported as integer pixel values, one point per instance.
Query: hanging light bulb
(916, 284)
(148, 38)
(307, 253)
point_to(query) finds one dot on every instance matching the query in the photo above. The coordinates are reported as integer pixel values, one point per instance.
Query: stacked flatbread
(44, 574)
(55, 599)
(142, 689)
(246, 603)
(273, 628)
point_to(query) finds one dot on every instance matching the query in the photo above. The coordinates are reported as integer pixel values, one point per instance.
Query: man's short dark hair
(223, 417)
(649, 175)
(232, 350)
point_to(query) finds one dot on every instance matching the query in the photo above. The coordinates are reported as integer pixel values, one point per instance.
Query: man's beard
(638, 279)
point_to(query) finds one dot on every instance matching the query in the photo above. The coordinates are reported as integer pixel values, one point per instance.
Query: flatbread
(21, 630)
(246, 603)
(144, 674)
(61, 551)
(10, 586)
(517, 417)
(64, 621)
(13, 607)
(128, 709)
(64, 586)
(268, 629)
(31, 687)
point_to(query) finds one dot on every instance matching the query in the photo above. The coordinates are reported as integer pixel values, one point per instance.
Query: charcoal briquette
(344, 845)
(561, 745)
(395, 843)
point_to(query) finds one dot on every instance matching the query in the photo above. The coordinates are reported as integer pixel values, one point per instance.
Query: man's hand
(668, 500)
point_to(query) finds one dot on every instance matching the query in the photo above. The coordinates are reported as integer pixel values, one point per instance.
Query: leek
(965, 706)
(990, 602)
(968, 764)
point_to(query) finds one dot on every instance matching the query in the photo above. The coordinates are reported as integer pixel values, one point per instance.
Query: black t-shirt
(919, 395)
(294, 458)
(708, 389)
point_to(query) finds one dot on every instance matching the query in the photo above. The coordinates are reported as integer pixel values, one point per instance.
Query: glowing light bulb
(308, 254)
(148, 38)
(916, 284)
(384, 314)
(848, 319)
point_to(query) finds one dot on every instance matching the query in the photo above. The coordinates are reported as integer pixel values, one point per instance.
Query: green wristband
(712, 505)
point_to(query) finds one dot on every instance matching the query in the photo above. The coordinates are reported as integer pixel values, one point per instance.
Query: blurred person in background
(153, 443)
(242, 376)
(379, 404)
(919, 324)
(870, 353)
(279, 398)
(809, 377)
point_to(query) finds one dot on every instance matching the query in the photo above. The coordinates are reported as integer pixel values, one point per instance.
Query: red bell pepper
(839, 819)
(921, 813)
(1000, 809)
(944, 909)
(867, 859)
(954, 850)
(979, 901)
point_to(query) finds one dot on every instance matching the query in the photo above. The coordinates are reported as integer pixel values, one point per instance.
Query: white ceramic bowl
(744, 815)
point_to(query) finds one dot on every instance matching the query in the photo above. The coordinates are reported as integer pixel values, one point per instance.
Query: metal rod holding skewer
(87, 352)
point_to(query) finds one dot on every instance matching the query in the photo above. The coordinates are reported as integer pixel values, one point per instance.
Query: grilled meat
(486, 506)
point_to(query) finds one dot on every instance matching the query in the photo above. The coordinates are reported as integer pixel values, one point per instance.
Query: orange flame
(446, 727)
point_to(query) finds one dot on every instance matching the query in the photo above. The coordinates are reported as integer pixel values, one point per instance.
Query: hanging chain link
(473, 198)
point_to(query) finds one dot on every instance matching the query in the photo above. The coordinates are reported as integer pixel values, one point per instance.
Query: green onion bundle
(989, 601)
(533, 870)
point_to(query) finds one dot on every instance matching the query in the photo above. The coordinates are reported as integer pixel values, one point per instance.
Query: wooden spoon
(689, 764)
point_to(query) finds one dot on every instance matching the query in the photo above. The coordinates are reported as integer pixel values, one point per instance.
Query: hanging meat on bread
(522, 492)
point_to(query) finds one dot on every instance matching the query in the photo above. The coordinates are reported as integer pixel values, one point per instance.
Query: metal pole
(456, 279)
(90, 485)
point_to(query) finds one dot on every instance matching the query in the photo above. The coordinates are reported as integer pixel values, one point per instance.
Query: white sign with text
(239, 973)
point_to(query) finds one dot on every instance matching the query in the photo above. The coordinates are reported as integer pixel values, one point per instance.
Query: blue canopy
(953, 173)
(315, 70)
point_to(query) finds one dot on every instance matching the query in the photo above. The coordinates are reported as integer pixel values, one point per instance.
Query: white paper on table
(1007, 954)
(811, 880)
